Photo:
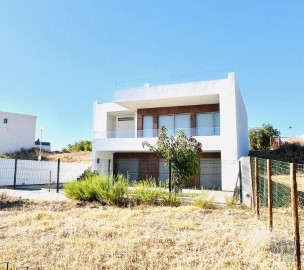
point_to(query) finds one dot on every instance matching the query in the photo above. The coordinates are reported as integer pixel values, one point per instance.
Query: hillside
(32, 154)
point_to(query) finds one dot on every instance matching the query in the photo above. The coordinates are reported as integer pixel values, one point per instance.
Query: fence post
(270, 195)
(58, 173)
(170, 177)
(15, 174)
(241, 185)
(109, 167)
(295, 217)
(257, 192)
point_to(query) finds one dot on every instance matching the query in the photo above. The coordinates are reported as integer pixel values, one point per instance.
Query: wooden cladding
(192, 110)
(152, 156)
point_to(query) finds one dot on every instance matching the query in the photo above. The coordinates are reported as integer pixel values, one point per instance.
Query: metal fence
(278, 199)
(212, 171)
(31, 174)
(11, 266)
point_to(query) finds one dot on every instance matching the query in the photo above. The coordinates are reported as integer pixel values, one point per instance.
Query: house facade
(211, 111)
(17, 131)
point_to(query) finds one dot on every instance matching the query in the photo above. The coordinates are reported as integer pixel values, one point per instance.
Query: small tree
(79, 146)
(260, 136)
(183, 152)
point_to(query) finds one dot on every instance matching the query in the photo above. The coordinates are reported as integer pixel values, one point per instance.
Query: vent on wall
(125, 118)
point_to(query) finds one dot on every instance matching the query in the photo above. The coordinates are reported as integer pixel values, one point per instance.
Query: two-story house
(211, 111)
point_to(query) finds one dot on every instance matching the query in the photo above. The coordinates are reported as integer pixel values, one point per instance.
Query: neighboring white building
(211, 111)
(17, 131)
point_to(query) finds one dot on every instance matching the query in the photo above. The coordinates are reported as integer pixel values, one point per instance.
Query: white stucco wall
(242, 124)
(19, 132)
(246, 181)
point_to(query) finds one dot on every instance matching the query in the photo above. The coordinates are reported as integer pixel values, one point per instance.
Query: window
(174, 123)
(208, 124)
(147, 126)
(125, 119)
(5, 120)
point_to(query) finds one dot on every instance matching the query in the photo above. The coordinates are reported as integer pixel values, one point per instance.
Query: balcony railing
(150, 133)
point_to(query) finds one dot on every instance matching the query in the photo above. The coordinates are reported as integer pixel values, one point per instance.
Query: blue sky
(57, 57)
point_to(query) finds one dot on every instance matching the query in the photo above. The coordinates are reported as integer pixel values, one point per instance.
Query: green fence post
(109, 167)
(240, 175)
(170, 177)
(58, 173)
(15, 174)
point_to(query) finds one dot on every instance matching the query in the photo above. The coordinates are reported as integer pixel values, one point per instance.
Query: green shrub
(147, 192)
(88, 174)
(113, 191)
(4, 156)
(171, 199)
(230, 201)
(104, 189)
(204, 200)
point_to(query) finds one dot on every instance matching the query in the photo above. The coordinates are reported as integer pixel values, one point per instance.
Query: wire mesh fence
(29, 174)
(136, 169)
(278, 201)
(11, 266)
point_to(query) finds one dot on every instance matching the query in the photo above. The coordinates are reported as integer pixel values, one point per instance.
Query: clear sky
(57, 56)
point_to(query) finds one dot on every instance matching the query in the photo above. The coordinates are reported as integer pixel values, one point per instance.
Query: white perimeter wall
(31, 172)
(18, 133)
(246, 180)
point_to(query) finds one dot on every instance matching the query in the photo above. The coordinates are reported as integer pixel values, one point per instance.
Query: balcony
(150, 133)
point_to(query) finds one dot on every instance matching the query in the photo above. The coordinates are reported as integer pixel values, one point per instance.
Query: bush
(149, 193)
(78, 146)
(171, 199)
(230, 201)
(204, 200)
(104, 189)
(88, 174)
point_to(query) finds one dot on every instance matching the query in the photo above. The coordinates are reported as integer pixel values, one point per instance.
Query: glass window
(147, 126)
(5, 120)
(167, 121)
(174, 123)
(208, 124)
(217, 123)
(182, 122)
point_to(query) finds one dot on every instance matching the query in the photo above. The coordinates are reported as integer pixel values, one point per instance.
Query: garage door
(211, 176)
(128, 167)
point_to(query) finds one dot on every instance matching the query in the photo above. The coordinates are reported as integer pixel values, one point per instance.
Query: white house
(211, 111)
(17, 131)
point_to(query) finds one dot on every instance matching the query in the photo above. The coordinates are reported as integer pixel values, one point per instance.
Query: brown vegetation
(32, 154)
(87, 236)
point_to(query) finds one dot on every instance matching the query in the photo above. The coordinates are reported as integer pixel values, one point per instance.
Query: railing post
(257, 192)
(295, 217)
(170, 177)
(270, 194)
(15, 173)
(58, 174)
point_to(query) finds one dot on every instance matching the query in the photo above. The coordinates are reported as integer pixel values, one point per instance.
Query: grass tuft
(204, 200)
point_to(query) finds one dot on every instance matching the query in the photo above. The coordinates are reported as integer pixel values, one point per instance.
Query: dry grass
(79, 157)
(72, 236)
(33, 153)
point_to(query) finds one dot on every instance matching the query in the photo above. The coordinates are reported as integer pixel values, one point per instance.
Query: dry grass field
(87, 236)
